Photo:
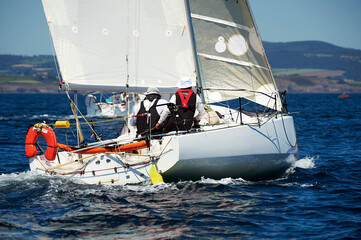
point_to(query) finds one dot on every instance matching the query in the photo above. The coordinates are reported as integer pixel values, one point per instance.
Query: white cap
(185, 83)
(152, 90)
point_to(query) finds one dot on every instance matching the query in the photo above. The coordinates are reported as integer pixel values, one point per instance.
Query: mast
(194, 48)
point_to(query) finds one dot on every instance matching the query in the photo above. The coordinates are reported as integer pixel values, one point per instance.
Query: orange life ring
(125, 148)
(33, 135)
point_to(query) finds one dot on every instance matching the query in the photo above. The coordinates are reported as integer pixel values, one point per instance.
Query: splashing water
(305, 163)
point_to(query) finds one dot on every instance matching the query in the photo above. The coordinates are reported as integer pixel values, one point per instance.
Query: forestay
(111, 44)
(232, 58)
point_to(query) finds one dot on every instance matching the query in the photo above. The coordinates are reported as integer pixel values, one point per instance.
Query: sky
(24, 29)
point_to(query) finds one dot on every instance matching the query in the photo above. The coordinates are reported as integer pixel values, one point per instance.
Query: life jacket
(143, 123)
(186, 102)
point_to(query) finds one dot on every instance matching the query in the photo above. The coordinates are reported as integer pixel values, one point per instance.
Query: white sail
(111, 44)
(232, 58)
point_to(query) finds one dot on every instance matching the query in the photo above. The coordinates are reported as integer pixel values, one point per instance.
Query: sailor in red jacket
(189, 106)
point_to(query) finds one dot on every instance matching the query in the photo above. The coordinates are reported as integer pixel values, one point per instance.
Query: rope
(109, 120)
(80, 159)
(106, 169)
(165, 148)
(102, 121)
(65, 164)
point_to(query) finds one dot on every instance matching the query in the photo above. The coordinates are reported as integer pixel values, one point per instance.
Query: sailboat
(119, 45)
(114, 105)
(343, 95)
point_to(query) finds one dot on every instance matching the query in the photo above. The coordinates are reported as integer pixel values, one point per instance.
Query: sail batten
(217, 20)
(229, 60)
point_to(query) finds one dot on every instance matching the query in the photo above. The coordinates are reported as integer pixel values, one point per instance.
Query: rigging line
(284, 129)
(165, 147)
(196, 58)
(79, 131)
(264, 53)
(76, 107)
(109, 120)
(54, 57)
(107, 169)
(53, 50)
(136, 40)
(203, 78)
(241, 90)
(127, 61)
(72, 133)
(259, 124)
(127, 94)
(65, 164)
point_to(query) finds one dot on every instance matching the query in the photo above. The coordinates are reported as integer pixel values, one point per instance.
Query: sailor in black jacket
(150, 113)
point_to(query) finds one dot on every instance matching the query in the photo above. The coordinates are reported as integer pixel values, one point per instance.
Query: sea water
(318, 198)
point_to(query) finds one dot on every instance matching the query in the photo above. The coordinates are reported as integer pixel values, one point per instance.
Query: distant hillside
(28, 74)
(308, 66)
(316, 55)
(10, 62)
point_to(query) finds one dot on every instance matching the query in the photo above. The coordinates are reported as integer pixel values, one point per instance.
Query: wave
(21, 177)
(18, 180)
(306, 163)
(35, 117)
(223, 181)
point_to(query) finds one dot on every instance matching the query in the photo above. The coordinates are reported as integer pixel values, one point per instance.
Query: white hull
(114, 110)
(108, 109)
(252, 153)
(218, 151)
(101, 169)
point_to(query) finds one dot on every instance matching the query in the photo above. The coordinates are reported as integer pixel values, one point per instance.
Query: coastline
(291, 84)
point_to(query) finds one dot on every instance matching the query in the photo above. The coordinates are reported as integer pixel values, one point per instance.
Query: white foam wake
(305, 163)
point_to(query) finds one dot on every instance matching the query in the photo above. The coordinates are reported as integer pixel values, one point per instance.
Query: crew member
(187, 102)
(150, 113)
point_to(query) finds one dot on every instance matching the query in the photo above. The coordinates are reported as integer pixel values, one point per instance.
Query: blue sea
(318, 198)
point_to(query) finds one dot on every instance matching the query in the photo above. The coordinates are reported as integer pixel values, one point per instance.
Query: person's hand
(157, 126)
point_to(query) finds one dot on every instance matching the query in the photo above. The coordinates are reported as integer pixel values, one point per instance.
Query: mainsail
(232, 59)
(118, 45)
(114, 45)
